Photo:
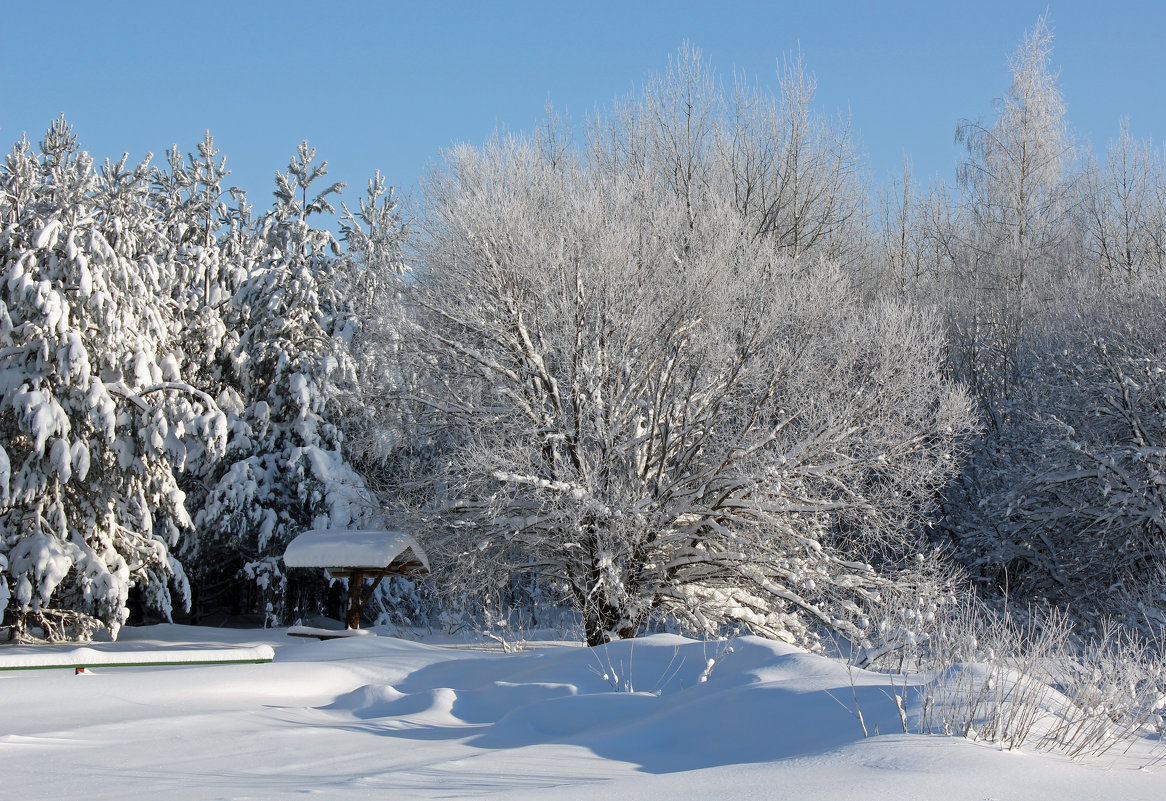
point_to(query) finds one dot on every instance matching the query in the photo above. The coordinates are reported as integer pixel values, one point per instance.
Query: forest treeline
(686, 366)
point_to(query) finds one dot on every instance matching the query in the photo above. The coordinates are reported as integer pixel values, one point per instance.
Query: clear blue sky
(387, 85)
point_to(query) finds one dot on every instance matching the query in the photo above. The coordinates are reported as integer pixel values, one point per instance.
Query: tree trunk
(601, 620)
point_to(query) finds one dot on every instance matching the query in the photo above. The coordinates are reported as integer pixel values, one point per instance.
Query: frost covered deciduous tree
(659, 411)
(1053, 309)
(1017, 186)
(1124, 208)
(792, 173)
(795, 173)
(913, 250)
(96, 419)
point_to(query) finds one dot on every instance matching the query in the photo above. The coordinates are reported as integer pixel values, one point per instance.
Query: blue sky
(387, 85)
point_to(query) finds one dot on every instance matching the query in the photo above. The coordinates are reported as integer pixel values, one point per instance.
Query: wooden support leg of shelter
(355, 601)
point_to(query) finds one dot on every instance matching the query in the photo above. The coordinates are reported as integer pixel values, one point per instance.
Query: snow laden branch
(655, 411)
(137, 396)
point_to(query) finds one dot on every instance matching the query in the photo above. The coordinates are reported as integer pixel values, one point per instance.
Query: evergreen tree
(96, 420)
(288, 373)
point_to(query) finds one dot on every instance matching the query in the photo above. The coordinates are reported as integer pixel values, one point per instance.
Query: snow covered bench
(325, 634)
(79, 659)
(356, 555)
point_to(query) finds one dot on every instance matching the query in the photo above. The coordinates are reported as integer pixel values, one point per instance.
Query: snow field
(378, 716)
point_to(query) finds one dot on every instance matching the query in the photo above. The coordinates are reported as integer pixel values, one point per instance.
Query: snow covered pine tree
(289, 373)
(95, 419)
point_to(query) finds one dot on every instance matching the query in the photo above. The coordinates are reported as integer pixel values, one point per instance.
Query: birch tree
(1017, 194)
(1124, 208)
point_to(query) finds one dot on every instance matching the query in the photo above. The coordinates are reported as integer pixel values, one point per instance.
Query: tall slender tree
(1016, 197)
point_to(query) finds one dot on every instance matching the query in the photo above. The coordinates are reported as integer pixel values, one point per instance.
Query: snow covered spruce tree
(211, 253)
(95, 418)
(370, 276)
(286, 384)
(658, 411)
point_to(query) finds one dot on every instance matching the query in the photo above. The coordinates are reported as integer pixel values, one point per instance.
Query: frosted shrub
(1116, 690)
(986, 677)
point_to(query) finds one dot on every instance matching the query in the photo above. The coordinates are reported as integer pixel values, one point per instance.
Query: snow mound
(655, 701)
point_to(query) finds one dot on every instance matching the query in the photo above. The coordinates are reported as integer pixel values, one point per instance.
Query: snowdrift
(644, 718)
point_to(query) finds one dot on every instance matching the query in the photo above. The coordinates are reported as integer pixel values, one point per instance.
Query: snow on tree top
(339, 548)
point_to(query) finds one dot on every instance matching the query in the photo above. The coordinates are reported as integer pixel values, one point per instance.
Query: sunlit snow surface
(381, 717)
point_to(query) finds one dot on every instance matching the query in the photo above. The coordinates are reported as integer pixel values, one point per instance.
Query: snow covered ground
(385, 718)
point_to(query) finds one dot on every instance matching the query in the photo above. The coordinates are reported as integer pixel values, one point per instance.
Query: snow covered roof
(340, 548)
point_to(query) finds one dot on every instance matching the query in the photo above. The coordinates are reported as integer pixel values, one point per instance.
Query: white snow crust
(341, 548)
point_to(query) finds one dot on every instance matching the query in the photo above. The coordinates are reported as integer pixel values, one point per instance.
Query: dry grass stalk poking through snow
(1035, 682)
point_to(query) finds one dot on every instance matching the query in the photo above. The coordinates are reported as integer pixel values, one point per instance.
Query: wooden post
(355, 601)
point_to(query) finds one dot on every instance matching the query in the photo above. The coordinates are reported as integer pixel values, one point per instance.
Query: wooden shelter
(356, 556)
